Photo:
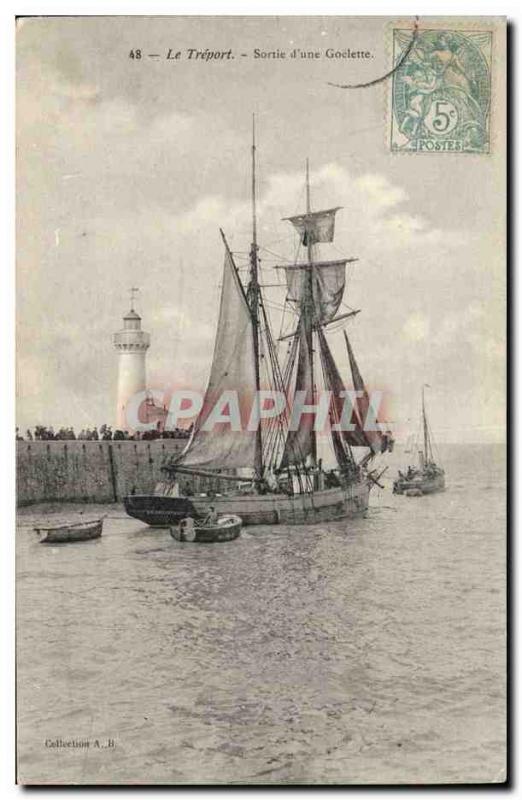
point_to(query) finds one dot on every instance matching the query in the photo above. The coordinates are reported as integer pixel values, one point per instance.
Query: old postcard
(261, 359)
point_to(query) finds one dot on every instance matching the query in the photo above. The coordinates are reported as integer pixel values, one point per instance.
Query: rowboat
(73, 532)
(225, 529)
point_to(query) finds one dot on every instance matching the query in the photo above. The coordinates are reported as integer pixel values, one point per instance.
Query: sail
(328, 281)
(377, 440)
(299, 442)
(328, 290)
(233, 370)
(316, 226)
(428, 450)
(356, 437)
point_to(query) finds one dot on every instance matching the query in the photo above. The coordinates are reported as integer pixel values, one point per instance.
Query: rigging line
(275, 363)
(283, 322)
(433, 444)
(279, 306)
(286, 237)
(276, 255)
(346, 306)
(269, 339)
(341, 252)
(271, 251)
(291, 355)
(275, 436)
(298, 452)
(274, 440)
(286, 308)
(289, 239)
(270, 439)
(290, 362)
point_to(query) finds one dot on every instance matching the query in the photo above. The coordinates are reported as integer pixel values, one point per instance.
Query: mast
(308, 309)
(315, 287)
(425, 428)
(254, 214)
(253, 301)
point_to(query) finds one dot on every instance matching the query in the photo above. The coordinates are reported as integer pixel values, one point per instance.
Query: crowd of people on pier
(103, 433)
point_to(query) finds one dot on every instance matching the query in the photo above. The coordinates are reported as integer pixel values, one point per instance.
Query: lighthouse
(131, 344)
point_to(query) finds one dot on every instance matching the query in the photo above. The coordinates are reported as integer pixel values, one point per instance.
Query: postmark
(441, 93)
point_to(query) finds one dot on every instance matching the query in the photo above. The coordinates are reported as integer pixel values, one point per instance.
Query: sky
(127, 168)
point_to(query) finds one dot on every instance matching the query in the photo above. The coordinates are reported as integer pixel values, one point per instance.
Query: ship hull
(267, 509)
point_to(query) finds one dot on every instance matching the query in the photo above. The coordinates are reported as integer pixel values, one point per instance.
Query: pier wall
(90, 472)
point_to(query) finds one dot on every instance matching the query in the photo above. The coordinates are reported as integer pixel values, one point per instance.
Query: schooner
(277, 474)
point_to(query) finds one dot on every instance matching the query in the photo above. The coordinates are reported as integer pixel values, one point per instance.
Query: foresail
(298, 444)
(356, 437)
(316, 226)
(233, 370)
(376, 439)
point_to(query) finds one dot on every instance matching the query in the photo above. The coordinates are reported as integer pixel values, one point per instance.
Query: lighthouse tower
(131, 344)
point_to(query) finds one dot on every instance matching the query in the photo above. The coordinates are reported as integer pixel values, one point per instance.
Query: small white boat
(72, 532)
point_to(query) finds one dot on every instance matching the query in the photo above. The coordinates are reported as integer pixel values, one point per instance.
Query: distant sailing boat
(286, 482)
(428, 477)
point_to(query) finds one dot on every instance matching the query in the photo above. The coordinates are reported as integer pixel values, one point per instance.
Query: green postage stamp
(441, 92)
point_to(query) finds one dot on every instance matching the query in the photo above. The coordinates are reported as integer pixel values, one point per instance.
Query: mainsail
(233, 369)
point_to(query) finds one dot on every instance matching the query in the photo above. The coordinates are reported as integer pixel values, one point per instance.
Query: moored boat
(225, 529)
(72, 532)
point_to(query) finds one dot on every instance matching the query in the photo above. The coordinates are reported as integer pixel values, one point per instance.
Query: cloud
(416, 328)
(148, 198)
(379, 192)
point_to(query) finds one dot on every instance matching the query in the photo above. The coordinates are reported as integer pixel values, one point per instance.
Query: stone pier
(90, 472)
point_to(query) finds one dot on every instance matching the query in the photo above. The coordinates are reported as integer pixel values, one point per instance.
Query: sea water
(360, 651)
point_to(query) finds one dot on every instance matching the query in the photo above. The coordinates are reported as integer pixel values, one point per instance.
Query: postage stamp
(441, 92)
